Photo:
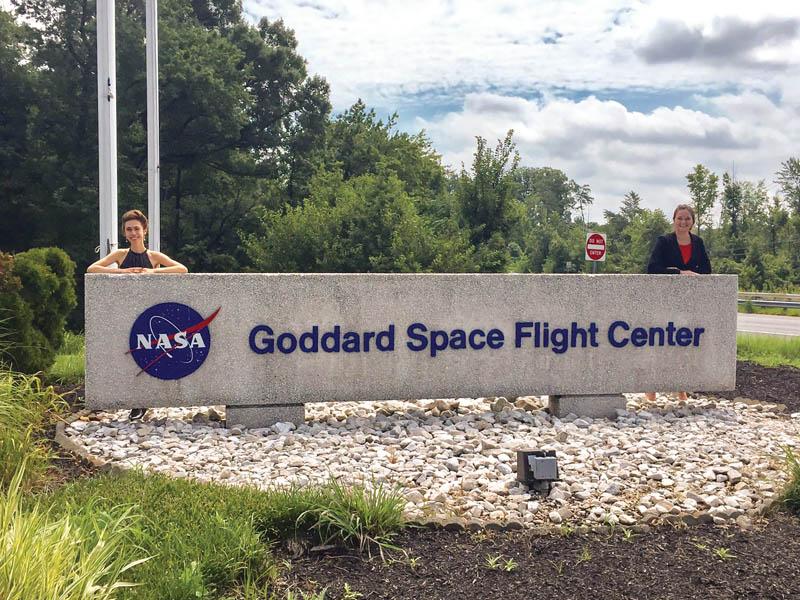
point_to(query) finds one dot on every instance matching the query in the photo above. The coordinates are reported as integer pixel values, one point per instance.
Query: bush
(38, 294)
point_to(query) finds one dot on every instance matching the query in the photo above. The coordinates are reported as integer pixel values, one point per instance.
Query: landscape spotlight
(537, 469)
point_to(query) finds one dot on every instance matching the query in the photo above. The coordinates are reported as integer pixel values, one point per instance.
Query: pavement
(768, 324)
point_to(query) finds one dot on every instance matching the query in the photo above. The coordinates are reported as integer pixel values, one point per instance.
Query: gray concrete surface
(768, 324)
(233, 374)
(594, 406)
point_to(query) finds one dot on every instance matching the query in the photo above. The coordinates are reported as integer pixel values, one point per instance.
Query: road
(768, 324)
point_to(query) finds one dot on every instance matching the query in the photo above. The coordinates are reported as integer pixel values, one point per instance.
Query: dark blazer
(667, 259)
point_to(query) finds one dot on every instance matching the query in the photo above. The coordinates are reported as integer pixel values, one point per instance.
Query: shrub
(39, 293)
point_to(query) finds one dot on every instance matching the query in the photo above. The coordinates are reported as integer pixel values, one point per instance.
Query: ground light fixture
(537, 469)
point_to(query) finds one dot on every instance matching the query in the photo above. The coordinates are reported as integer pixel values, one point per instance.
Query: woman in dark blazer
(679, 253)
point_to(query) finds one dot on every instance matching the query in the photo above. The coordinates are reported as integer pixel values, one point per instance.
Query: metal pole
(107, 125)
(153, 162)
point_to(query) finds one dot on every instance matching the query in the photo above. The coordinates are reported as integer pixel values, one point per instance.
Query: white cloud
(614, 150)
(461, 68)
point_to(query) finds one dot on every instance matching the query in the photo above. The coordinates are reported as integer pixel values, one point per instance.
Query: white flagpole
(153, 162)
(107, 125)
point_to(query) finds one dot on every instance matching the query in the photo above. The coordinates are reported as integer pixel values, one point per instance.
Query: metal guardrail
(770, 296)
(771, 303)
(767, 300)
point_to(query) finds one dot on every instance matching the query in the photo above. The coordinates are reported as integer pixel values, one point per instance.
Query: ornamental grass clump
(359, 514)
(790, 497)
(72, 557)
(26, 409)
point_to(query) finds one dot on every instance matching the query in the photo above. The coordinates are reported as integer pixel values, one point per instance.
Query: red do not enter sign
(595, 246)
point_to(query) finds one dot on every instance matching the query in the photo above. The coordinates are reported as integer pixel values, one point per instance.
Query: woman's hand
(687, 272)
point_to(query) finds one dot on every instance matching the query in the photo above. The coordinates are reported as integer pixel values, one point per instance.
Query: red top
(686, 252)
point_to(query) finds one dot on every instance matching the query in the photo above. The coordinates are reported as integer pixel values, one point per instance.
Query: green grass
(69, 367)
(209, 539)
(768, 350)
(203, 537)
(768, 310)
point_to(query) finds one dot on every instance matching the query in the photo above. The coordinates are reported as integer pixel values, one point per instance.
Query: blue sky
(619, 95)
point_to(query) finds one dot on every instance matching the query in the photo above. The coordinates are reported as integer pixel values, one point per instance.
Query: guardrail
(770, 296)
(768, 300)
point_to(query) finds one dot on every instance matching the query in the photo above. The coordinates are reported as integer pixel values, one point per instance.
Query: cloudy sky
(622, 95)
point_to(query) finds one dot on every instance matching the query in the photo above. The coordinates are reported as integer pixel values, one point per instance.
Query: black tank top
(133, 259)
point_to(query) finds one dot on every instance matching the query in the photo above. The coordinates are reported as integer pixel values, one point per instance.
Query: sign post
(595, 248)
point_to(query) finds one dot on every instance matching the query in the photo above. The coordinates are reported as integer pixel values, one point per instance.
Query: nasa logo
(170, 340)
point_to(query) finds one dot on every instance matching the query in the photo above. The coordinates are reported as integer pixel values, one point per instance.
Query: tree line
(258, 175)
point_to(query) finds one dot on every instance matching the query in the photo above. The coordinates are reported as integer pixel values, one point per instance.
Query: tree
(731, 214)
(644, 230)
(703, 187)
(487, 201)
(789, 180)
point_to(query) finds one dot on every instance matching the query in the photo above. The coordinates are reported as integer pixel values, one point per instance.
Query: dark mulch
(68, 466)
(663, 563)
(767, 384)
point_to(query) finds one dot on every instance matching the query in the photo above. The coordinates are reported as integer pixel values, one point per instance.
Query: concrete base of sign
(254, 417)
(600, 406)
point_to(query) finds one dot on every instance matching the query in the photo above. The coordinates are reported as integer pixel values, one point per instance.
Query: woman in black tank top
(138, 259)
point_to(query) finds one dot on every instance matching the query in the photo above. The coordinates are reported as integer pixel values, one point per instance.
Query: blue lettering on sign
(437, 340)
(262, 341)
(170, 340)
(653, 336)
(534, 334)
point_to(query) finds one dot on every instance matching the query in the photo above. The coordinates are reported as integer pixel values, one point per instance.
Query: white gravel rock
(458, 457)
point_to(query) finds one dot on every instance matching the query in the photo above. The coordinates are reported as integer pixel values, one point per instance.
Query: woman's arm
(164, 264)
(103, 265)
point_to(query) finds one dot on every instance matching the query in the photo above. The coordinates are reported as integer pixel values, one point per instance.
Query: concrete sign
(280, 340)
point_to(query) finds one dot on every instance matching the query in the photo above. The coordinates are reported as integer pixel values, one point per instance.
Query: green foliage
(488, 205)
(208, 538)
(789, 181)
(69, 366)
(768, 350)
(359, 514)
(790, 496)
(203, 537)
(39, 294)
(364, 224)
(703, 186)
(76, 556)
(26, 408)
